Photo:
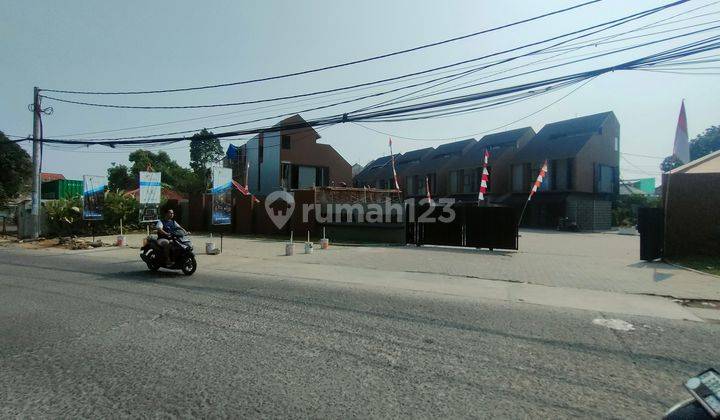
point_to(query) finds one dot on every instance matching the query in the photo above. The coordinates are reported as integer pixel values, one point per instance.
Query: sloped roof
(49, 176)
(553, 148)
(454, 147)
(562, 139)
(413, 155)
(371, 169)
(696, 162)
(510, 136)
(585, 124)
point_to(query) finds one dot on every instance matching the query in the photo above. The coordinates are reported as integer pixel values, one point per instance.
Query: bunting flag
(539, 180)
(681, 148)
(484, 178)
(427, 190)
(392, 161)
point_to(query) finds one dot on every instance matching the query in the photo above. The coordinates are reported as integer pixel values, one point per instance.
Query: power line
(228, 104)
(335, 66)
(485, 131)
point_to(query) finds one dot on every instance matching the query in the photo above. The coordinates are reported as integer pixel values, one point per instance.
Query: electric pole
(37, 158)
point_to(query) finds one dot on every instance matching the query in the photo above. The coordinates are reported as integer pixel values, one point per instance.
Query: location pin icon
(280, 205)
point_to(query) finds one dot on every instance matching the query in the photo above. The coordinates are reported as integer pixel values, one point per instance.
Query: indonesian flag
(539, 180)
(247, 173)
(681, 148)
(484, 178)
(392, 161)
(427, 189)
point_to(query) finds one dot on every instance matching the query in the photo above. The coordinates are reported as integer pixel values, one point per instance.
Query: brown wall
(692, 215)
(600, 149)
(305, 151)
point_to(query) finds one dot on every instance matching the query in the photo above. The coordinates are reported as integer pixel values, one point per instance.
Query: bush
(119, 206)
(65, 216)
(624, 212)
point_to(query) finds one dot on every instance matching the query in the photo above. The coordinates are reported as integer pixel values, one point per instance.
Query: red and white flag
(681, 148)
(484, 178)
(392, 161)
(427, 190)
(539, 180)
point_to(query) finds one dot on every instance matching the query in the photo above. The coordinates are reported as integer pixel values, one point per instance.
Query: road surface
(83, 336)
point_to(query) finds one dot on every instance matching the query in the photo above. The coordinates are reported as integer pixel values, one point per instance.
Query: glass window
(518, 178)
(285, 142)
(453, 182)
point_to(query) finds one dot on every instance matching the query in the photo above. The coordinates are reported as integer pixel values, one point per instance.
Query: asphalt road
(83, 336)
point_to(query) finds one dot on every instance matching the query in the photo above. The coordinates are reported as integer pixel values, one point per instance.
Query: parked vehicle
(181, 253)
(565, 224)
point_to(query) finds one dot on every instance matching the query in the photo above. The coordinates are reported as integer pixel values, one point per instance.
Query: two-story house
(583, 172)
(287, 156)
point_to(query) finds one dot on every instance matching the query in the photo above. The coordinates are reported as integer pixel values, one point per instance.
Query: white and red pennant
(484, 178)
(539, 180)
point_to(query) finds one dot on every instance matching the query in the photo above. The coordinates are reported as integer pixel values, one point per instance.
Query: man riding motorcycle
(165, 228)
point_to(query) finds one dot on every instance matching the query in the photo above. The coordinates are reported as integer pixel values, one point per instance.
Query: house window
(606, 179)
(468, 181)
(322, 176)
(285, 142)
(458, 181)
(570, 171)
(382, 184)
(408, 184)
(416, 184)
(617, 144)
(518, 178)
(453, 181)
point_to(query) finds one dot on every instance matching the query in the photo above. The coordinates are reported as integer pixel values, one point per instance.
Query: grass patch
(701, 263)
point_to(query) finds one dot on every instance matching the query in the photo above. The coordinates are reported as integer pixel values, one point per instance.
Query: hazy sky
(132, 44)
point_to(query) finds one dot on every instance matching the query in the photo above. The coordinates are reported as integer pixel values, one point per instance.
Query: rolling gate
(473, 226)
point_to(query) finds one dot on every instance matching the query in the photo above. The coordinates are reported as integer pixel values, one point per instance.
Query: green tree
(703, 144)
(119, 178)
(205, 149)
(174, 176)
(16, 172)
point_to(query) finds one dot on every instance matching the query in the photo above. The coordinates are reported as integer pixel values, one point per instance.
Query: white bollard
(324, 243)
(289, 249)
(121, 240)
(308, 247)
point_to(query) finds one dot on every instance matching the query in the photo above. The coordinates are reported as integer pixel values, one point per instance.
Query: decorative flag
(427, 189)
(484, 178)
(681, 148)
(539, 180)
(247, 173)
(392, 161)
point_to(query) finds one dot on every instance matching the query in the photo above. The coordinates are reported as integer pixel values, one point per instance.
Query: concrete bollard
(289, 249)
(308, 247)
(324, 243)
(121, 240)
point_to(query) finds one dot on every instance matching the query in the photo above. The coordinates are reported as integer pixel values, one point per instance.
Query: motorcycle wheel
(189, 266)
(152, 262)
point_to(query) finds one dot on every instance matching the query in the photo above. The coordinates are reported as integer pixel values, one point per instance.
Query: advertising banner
(150, 192)
(221, 196)
(93, 196)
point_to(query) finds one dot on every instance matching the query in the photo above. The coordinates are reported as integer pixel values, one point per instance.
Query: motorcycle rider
(165, 228)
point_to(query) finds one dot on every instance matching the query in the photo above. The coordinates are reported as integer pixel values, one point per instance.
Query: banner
(93, 196)
(150, 192)
(221, 196)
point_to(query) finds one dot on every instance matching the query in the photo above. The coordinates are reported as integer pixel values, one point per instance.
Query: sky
(137, 45)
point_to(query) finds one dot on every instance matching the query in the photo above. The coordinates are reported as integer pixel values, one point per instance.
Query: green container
(61, 188)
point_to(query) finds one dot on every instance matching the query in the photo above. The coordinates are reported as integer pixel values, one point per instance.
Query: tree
(205, 149)
(703, 144)
(119, 178)
(174, 176)
(16, 172)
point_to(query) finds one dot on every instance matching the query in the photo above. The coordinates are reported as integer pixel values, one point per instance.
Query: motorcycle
(705, 401)
(181, 252)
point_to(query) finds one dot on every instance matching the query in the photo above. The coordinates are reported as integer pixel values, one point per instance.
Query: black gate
(651, 225)
(491, 227)
(473, 226)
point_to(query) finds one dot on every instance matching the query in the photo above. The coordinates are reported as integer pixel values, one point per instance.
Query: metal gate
(473, 226)
(651, 225)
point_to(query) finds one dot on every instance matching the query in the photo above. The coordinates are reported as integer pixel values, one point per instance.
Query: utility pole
(37, 159)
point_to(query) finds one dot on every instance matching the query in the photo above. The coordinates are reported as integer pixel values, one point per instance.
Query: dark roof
(562, 139)
(505, 137)
(453, 148)
(586, 124)
(373, 168)
(553, 148)
(413, 155)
